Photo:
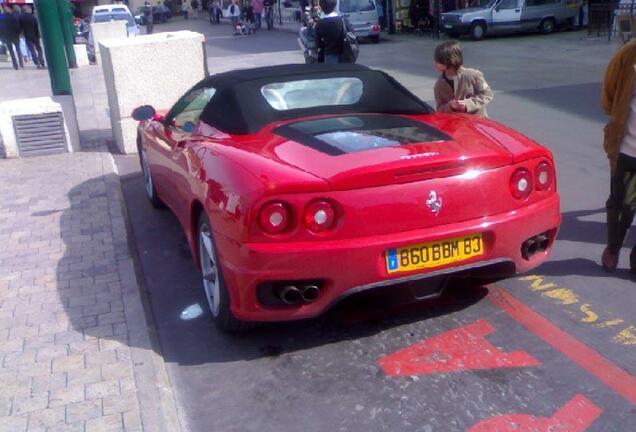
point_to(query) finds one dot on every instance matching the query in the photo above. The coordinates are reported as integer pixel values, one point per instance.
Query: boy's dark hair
(327, 6)
(449, 54)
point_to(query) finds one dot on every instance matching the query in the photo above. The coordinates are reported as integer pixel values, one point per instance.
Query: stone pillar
(152, 70)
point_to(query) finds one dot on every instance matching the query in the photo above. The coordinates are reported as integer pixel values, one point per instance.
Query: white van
(363, 16)
(107, 13)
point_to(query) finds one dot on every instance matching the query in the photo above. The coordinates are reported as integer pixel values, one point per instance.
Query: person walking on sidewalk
(214, 10)
(619, 103)
(268, 9)
(459, 89)
(257, 7)
(148, 16)
(184, 8)
(195, 8)
(330, 32)
(31, 31)
(234, 12)
(10, 35)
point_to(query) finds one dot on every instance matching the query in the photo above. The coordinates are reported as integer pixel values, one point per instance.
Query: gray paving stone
(80, 412)
(110, 423)
(13, 424)
(29, 403)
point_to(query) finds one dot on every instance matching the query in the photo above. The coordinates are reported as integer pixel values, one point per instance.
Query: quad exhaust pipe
(292, 294)
(535, 245)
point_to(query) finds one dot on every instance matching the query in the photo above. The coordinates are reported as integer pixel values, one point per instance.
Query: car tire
(478, 31)
(547, 26)
(214, 288)
(149, 184)
(375, 39)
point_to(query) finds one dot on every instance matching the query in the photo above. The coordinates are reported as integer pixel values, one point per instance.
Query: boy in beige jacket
(459, 89)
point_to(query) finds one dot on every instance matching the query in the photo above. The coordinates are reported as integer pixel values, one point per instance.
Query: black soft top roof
(238, 107)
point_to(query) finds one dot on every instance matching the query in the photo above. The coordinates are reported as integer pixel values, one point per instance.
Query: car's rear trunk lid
(357, 151)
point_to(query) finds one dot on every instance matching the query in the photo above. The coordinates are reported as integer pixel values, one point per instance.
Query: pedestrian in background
(459, 89)
(10, 35)
(619, 103)
(195, 8)
(31, 31)
(148, 16)
(257, 7)
(234, 12)
(268, 10)
(184, 8)
(330, 31)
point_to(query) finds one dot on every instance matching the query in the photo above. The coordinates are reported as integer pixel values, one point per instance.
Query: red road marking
(594, 363)
(460, 349)
(575, 416)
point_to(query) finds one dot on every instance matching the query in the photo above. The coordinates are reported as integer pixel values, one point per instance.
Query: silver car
(509, 16)
(363, 16)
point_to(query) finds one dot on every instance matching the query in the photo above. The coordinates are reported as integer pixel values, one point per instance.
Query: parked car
(509, 16)
(107, 13)
(363, 16)
(300, 185)
(160, 14)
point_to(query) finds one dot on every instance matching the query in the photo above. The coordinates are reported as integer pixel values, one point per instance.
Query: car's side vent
(40, 134)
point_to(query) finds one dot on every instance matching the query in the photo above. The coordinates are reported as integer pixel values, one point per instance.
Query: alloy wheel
(209, 270)
(147, 176)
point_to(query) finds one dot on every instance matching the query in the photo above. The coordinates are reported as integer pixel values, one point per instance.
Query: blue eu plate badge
(392, 259)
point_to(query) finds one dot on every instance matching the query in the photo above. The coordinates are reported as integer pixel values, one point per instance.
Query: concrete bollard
(81, 55)
(152, 70)
(104, 31)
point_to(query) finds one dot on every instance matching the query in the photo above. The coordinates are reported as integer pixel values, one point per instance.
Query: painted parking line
(575, 416)
(587, 358)
(585, 313)
(461, 349)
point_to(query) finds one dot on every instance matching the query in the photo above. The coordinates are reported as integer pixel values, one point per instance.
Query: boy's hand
(457, 105)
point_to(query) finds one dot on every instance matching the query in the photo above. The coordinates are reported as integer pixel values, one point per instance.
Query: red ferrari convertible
(298, 185)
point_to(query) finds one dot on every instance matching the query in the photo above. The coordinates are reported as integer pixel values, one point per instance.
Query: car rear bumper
(352, 265)
(367, 31)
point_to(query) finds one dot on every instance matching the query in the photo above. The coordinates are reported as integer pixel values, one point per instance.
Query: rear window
(107, 17)
(312, 93)
(356, 133)
(348, 6)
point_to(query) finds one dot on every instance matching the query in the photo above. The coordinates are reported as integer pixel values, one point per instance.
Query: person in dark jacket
(330, 32)
(10, 35)
(31, 31)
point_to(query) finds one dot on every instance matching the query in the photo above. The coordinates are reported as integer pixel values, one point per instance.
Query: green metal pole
(66, 21)
(53, 42)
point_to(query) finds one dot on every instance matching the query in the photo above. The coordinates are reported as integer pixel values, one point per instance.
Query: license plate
(434, 254)
(448, 26)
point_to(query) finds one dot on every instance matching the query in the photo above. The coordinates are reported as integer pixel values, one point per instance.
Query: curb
(157, 404)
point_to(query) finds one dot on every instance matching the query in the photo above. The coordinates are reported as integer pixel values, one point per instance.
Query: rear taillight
(543, 176)
(319, 215)
(274, 218)
(521, 183)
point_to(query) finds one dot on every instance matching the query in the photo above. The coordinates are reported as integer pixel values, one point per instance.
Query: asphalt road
(552, 349)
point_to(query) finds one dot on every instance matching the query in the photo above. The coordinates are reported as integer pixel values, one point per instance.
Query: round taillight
(319, 216)
(543, 176)
(521, 183)
(274, 218)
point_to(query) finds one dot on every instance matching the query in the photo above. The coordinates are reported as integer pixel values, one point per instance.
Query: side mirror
(189, 127)
(144, 112)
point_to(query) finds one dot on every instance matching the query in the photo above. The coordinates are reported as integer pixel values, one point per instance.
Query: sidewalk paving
(77, 350)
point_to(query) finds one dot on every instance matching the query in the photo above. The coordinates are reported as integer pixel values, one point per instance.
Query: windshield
(348, 6)
(107, 17)
(483, 3)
